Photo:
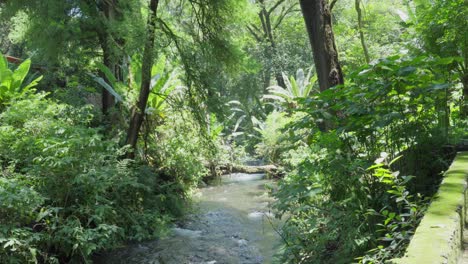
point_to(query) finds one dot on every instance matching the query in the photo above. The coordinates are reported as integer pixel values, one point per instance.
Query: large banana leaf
(3, 68)
(19, 74)
(5, 81)
(239, 121)
(106, 86)
(32, 84)
(11, 82)
(107, 72)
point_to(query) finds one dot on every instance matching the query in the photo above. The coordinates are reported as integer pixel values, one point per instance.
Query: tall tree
(138, 112)
(443, 28)
(318, 22)
(109, 12)
(264, 33)
(71, 34)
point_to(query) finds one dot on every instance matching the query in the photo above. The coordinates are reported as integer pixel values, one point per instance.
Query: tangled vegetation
(112, 112)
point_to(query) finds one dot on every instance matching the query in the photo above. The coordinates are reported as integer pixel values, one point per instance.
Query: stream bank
(231, 223)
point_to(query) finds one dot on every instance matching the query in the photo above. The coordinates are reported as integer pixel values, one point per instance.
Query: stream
(231, 223)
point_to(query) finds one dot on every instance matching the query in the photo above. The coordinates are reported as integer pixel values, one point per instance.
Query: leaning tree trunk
(317, 18)
(138, 112)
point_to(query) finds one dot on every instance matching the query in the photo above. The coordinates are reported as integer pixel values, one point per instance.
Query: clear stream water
(231, 223)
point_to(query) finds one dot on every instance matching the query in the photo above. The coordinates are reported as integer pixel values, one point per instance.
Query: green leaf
(294, 88)
(107, 72)
(3, 64)
(395, 159)
(5, 80)
(445, 61)
(155, 82)
(43, 213)
(159, 66)
(106, 86)
(406, 70)
(441, 86)
(33, 252)
(19, 74)
(375, 166)
(32, 84)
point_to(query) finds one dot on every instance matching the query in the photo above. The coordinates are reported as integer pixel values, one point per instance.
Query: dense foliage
(334, 198)
(66, 192)
(222, 82)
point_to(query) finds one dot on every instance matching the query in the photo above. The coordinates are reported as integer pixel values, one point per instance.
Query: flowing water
(231, 224)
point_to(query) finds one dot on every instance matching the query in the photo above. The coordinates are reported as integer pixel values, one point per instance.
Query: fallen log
(272, 170)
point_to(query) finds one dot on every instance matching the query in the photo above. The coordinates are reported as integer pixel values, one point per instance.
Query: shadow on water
(231, 224)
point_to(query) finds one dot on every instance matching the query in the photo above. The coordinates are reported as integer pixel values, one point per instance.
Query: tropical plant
(12, 83)
(327, 197)
(299, 87)
(273, 141)
(243, 124)
(162, 85)
(399, 217)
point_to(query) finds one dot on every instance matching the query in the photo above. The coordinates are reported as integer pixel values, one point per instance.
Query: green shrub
(12, 83)
(270, 146)
(278, 138)
(338, 210)
(180, 150)
(398, 219)
(65, 193)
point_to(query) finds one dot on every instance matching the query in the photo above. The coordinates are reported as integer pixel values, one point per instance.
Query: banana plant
(162, 85)
(12, 83)
(299, 87)
(246, 124)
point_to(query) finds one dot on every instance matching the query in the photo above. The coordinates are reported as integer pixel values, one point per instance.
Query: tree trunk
(266, 77)
(361, 33)
(107, 98)
(138, 112)
(464, 107)
(317, 18)
(265, 18)
(264, 34)
(110, 58)
(464, 80)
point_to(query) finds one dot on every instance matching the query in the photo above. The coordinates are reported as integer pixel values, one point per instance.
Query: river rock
(186, 232)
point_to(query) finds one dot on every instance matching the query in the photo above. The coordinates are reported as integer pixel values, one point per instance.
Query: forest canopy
(112, 112)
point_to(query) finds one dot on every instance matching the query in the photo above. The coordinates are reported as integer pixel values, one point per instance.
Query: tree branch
(138, 112)
(261, 15)
(332, 4)
(275, 6)
(284, 14)
(251, 30)
(255, 27)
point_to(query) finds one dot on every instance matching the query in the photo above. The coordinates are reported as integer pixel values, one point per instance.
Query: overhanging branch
(332, 4)
(275, 6)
